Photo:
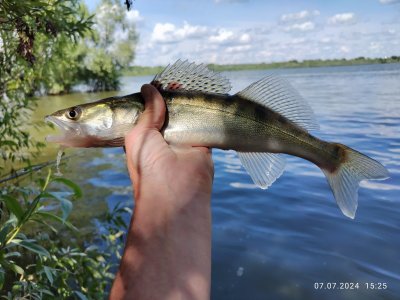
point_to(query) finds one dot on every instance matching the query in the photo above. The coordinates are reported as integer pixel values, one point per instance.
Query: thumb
(151, 120)
(145, 138)
(153, 116)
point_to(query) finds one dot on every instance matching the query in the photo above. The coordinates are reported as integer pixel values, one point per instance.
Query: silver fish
(264, 120)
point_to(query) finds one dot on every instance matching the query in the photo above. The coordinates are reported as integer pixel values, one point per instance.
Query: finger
(151, 119)
(153, 116)
(145, 134)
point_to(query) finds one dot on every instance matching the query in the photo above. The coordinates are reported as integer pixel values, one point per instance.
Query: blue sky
(252, 31)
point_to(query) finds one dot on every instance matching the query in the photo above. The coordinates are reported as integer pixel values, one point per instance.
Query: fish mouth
(67, 130)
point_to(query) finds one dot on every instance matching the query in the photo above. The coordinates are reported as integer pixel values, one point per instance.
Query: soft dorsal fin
(278, 95)
(183, 75)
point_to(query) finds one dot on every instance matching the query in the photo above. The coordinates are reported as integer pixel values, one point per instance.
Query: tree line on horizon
(143, 70)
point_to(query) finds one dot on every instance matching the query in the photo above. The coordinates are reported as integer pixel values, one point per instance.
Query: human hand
(168, 248)
(159, 169)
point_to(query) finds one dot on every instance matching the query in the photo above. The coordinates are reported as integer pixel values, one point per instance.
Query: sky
(254, 31)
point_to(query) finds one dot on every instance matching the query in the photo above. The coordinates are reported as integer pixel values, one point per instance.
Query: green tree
(59, 61)
(109, 48)
(39, 54)
(28, 32)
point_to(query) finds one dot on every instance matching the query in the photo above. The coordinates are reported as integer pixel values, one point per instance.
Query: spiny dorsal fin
(263, 168)
(278, 95)
(183, 75)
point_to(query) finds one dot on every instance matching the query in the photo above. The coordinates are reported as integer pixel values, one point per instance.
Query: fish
(262, 123)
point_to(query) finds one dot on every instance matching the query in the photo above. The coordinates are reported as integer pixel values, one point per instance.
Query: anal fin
(263, 168)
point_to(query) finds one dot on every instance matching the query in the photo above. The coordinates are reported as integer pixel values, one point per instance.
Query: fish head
(99, 124)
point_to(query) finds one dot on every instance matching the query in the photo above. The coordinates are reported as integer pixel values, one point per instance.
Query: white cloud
(389, 1)
(298, 41)
(344, 49)
(302, 15)
(306, 26)
(169, 33)
(240, 48)
(265, 54)
(305, 38)
(222, 36)
(133, 16)
(245, 38)
(167, 42)
(345, 18)
(326, 40)
(375, 46)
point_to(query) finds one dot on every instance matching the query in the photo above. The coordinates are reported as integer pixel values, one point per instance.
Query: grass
(143, 71)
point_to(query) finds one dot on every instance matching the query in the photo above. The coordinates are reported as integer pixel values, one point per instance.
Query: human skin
(168, 248)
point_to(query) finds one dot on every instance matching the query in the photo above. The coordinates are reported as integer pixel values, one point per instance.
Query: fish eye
(74, 113)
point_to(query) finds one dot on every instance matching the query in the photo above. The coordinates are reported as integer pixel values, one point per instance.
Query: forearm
(168, 250)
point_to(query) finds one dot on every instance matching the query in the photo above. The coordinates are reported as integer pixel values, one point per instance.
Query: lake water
(278, 243)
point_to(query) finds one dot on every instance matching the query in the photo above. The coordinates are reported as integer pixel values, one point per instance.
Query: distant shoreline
(143, 71)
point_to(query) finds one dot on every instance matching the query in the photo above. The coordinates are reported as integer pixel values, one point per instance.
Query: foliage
(47, 46)
(47, 267)
(142, 71)
(60, 60)
(109, 48)
(98, 57)
(28, 32)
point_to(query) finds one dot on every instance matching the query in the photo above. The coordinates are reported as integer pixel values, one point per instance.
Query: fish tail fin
(346, 177)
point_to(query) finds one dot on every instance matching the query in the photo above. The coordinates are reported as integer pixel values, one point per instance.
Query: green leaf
(11, 254)
(6, 228)
(13, 267)
(1, 278)
(65, 204)
(32, 208)
(57, 219)
(44, 223)
(66, 208)
(17, 269)
(9, 143)
(32, 246)
(92, 248)
(49, 273)
(80, 295)
(75, 188)
(47, 292)
(13, 206)
(21, 236)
